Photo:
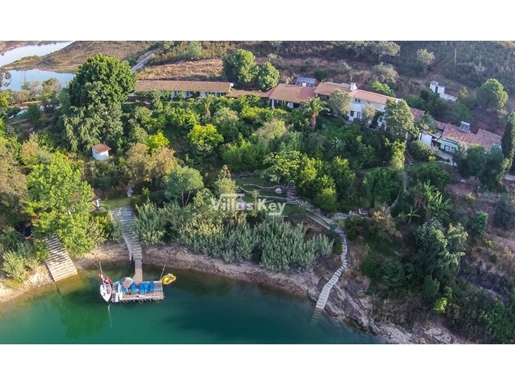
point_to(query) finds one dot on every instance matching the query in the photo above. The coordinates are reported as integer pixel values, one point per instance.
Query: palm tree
(436, 206)
(206, 102)
(313, 107)
(412, 212)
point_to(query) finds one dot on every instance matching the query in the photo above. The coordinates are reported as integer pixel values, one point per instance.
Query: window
(357, 100)
(352, 113)
(358, 114)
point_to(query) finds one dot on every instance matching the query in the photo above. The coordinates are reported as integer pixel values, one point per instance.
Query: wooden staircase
(61, 266)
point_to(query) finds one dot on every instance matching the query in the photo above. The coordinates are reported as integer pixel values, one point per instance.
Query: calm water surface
(198, 308)
(18, 77)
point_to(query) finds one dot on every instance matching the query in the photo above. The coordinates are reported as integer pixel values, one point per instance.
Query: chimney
(353, 86)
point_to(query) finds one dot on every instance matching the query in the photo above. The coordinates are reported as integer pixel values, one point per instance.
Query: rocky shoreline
(345, 303)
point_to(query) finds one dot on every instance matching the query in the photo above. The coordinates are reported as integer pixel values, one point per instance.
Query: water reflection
(81, 312)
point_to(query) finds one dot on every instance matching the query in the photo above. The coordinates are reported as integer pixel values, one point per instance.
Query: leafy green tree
(88, 126)
(381, 225)
(204, 138)
(466, 99)
(157, 141)
(6, 99)
(440, 249)
(227, 122)
(368, 112)
(382, 88)
(385, 48)
(284, 166)
(58, 201)
(495, 167)
(182, 183)
(339, 103)
(194, 50)
(508, 141)
(273, 129)
(397, 160)
(321, 74)
(399, 118)
(491, 94)
(385, 73)
(470, 161)
(344, 178)
(224, 184)
(50, 94)
(243, 156)
(504, 215)
(34, 114)
(114, 78)
(267, 76)
(477, 225)
(381, 186)
(461, 113)
(13, 186)
(431, 287)
(143, 167)
(424, 59)
(239, 67)
(326, 198)
(420, 151)
(313, 107)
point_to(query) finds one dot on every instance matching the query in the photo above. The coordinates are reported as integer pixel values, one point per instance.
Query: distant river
(18, 77)
(198, 309)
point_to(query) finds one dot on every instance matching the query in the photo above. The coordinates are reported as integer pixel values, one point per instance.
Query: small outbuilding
(100, 152)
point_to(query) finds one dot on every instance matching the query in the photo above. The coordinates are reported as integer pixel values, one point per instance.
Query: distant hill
(72, 56)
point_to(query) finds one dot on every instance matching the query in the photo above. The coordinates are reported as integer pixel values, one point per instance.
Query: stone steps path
(125, 217)
(59, 264)
(317, 215)
(324, 294)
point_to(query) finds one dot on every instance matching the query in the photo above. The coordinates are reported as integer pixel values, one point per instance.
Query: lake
(198, 309)
(18, 77)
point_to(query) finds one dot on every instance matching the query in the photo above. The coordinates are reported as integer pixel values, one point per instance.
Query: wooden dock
(139, 297)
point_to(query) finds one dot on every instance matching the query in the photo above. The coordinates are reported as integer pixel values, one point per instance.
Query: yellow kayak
(168, 279)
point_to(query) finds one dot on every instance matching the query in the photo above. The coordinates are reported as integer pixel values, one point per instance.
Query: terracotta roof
(417, 114)
(237, 93)
(100, 148)
(182, 85)
(370, 96)
(482, 137)
(327, 88)
(487, 139)
(292, 93)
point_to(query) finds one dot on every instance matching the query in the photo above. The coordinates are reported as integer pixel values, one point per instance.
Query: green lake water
(198, 309)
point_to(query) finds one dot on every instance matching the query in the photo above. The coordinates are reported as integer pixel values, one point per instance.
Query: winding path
(330, 222)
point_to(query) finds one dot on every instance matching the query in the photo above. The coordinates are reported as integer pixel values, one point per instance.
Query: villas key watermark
(234, 201)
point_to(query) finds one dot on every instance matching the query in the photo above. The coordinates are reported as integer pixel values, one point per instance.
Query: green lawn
(254, 180)
(115, 203)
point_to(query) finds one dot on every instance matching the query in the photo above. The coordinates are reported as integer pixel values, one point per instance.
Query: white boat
(106, 288)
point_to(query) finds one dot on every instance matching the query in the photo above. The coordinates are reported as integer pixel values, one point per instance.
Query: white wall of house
(356, 108)
(426, 139)
(100, 156)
